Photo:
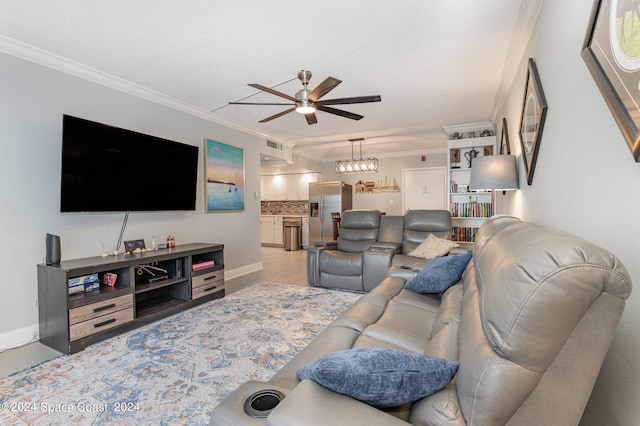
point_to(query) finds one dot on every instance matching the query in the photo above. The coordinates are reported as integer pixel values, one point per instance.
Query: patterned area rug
(174, 371)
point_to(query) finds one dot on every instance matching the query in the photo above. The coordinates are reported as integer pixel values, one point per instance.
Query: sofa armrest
(328, 244)
(310, 404)
(387, 245)
(375, 264)
(459, 250)
(313, 264)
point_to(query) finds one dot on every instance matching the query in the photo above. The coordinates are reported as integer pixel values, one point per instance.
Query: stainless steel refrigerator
(326, 198)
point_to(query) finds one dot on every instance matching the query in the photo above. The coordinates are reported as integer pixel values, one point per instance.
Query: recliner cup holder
(259, 404)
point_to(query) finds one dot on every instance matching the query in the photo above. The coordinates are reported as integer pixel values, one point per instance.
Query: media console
(69, 323)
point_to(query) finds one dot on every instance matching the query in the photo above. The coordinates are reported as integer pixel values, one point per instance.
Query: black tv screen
(109, 169)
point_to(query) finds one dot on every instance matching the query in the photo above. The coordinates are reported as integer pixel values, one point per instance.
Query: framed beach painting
(224, 177)
(611, 51)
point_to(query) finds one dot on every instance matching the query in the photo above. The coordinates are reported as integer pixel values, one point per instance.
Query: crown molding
(50, 60)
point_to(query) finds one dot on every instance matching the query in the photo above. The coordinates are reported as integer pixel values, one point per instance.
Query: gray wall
(584, 183)
(390, 168)
(32, 101)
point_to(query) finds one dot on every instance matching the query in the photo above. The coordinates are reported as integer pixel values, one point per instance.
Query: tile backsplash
(284, 207)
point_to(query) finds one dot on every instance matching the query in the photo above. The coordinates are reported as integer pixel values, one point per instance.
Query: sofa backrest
(358, 229)
(418, 224)
(539, 309)
(391, 228)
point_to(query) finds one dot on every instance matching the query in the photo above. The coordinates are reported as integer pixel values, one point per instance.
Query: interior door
(424, 188)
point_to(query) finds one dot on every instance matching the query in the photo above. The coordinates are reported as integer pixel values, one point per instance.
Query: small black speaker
(52, 243)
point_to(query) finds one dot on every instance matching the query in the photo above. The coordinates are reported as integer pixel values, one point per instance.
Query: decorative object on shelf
(487, 150)
(534, 111)
(505, 148)
(494, 172)
(389, 185)
(470, 155)
(615, 69)
(454, 158)
(133, 245)
(455, 136)
(358, 165)
(52, 247)
(224, 177)
(485, 133)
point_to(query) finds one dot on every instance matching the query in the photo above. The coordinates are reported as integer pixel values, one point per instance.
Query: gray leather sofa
(530, 323)
(369, 244)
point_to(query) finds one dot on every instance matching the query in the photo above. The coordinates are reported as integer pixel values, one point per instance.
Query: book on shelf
(471, 209)
(202, 265)
(463, 234)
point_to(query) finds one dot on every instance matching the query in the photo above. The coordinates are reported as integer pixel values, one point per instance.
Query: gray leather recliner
(418, 224)
(370, 244)
(340, 264)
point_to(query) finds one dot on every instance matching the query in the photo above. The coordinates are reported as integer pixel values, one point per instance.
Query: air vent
(274, 145)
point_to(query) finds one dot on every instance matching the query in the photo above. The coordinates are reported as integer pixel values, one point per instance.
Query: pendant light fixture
(358, 165)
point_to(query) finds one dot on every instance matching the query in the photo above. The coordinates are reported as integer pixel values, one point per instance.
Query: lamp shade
(496, 172)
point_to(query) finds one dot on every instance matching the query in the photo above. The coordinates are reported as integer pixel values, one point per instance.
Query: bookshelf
(469, 210)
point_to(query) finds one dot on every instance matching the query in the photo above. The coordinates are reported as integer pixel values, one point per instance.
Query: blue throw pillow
(380, 377)
(439, 274)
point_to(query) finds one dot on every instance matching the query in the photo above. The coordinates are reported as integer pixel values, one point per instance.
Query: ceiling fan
(307, 102)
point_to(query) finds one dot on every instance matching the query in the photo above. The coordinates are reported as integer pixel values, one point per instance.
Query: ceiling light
(359, 165)
(303, 104)
(305, 107)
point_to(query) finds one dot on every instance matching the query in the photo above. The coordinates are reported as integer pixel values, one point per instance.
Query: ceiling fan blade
(280, 114)
(257, 103)
(339, 112)
(311, 118)
(323, 88)
(354, 100)
(273, 92)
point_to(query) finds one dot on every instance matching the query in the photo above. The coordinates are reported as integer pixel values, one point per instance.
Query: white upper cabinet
(290, 187)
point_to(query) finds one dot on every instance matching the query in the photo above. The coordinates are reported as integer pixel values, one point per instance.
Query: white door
(424, 188)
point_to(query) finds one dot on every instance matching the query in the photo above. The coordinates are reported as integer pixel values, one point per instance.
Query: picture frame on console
(224, 177)
(615, 66)
(534, 111)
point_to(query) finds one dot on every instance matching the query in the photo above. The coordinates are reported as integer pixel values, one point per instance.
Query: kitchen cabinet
(271, 231)
(291, 187)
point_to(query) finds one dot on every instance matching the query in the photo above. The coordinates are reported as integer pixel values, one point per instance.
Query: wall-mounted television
(109, 169)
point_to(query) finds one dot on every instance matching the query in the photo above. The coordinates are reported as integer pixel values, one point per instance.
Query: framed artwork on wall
(224, 177)
(505, 148)
(534, 111)
(613, 59)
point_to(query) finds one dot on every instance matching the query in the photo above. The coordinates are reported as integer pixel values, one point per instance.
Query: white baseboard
(19, 337)
(243, 270)
(28, 334)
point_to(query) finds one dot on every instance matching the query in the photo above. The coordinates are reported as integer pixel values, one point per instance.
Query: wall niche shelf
(71, 322)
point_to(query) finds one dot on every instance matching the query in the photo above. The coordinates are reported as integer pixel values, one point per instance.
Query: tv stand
(69, 323)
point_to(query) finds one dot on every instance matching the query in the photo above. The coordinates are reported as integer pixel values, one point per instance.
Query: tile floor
(278, 265)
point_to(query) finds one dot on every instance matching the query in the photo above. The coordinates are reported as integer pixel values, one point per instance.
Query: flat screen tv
(109, 169)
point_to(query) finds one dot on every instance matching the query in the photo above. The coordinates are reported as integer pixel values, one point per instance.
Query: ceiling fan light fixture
(303, 104)
(305, 107)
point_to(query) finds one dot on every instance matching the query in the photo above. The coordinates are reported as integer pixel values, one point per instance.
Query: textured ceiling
(434, 63)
